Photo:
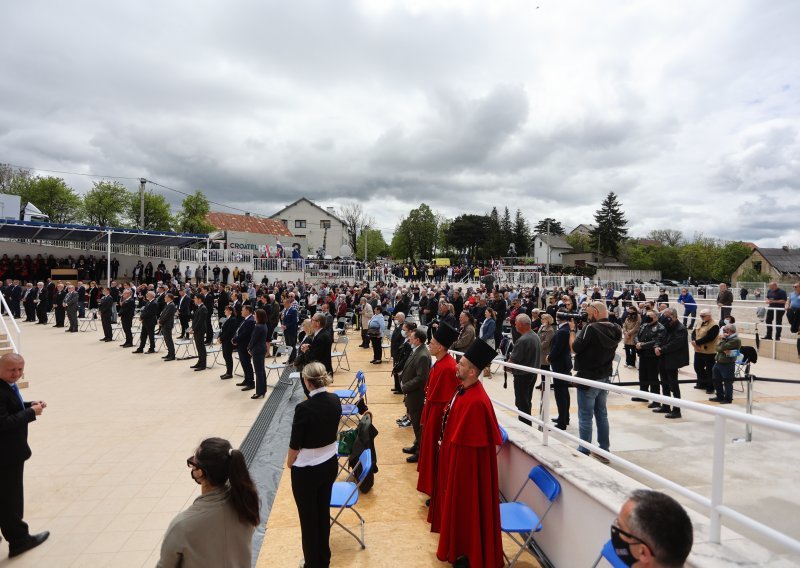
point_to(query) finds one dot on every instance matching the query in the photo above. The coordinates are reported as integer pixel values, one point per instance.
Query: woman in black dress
(258, 351)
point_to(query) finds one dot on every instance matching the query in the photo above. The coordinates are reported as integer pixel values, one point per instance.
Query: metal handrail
(715, 504)
(15, 345)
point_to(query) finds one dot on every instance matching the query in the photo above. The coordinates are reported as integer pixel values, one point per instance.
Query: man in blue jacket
(241, 340)
(689, 308)
(560, 360)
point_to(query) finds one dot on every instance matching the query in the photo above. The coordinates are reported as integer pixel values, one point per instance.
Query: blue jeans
(592, 404)
(722, 375)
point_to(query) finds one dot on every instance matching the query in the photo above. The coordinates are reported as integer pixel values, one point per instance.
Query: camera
(581, 316)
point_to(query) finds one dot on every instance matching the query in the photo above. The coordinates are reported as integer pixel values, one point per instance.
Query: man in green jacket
(723, 371)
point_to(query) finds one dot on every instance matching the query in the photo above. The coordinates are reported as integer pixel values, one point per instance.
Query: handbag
(346, 440)
(373, 332)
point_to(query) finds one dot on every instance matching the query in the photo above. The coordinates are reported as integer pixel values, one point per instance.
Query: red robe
(465, 506)
(442, 383)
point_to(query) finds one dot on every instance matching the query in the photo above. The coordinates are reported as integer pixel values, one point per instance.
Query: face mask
(403, 332)
(622, 548)
(727, 321)
(197, 481)
(646, 319)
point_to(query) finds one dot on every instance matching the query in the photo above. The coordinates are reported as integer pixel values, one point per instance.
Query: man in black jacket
(105, 315)
(29, 302)
(673, 354)
(42, 303)
(184, 312)
(320, 347)
(126, 311)
(412, 382)
(208, 302)
(148, 316)
(166, 321)
(15, 415)
(61, 293)
(560, 360)
(241, 340)
(199, 322)
(594, 347)
(226, 333)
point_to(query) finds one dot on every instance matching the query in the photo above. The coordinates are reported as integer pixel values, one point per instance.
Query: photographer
(594, 348)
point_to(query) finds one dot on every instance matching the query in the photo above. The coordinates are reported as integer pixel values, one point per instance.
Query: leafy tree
(11, 180)
(105, 203)
(580, 242)
(555, 227)
(496, 243)
(376, 244)
(610, 229)
(506, 230)
(192, 218)
(752, 275)
(667, 237)
(422, 224)
(467, 233)
(728, 260)
(157, 212)
(402, 246)
(442, 246)
(355, 219)
(50, 194)
(522, 234)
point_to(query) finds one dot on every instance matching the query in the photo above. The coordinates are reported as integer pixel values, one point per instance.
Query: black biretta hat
(480, 353)
(446, 335)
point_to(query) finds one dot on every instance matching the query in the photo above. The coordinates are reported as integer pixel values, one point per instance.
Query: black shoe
(138, 351)
(726, 401)
(674, 414)
(663, 410)
(151, 351)
(427, 502)
(242, 384)
(126, 345)
(709, 391)
(33, 541)
(410, 450)
(168, 358)
(226, 376)
(767, 338)
(248, 388)
(200, 368)
(195, 366)
(461, 562)
(639, 399)
(412, 459)
(376, 362)
(715, 399)
(102, 339)
(654, 405)
(397, 391)
(699, 387)
(257, 396)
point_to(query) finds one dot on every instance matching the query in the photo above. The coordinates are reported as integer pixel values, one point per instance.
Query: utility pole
(142, 181)
(548, 248)
(364, 230)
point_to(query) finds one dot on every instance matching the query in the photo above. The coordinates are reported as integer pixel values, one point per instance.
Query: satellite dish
(345, 251)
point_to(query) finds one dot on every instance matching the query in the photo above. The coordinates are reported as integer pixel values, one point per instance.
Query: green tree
(728, 260)
(192, 217)
(402, 246)
(467, 233)
(157, 212)
(355, 219)
(376, 244)
(105, 203)
(580, 242)
(422, 224)
(12, 180)
(555, 227)
(667, 237)
(610, 230)
(442, 246)
(51, 195)
(506, 230)
(522, 234)
(496, 244)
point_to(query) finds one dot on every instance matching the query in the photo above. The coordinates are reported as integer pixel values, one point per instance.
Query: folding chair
(615, 374)
(341, 326)
(610, 556)
(503, 438)
(339, 355)
(90, 324)
(349, 394)
(747, 356)
(386, 341)
(214, 350)
(345, 495)
(275, 365)
(184, 344)
(496, 362)
(519, 518)
(348, 316)
(350, 414)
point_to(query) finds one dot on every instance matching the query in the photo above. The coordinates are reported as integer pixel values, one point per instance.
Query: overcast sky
(690, 111)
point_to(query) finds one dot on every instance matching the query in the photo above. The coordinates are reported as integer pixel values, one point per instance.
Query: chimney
(247, 213)
(331, 210)
(785, 247)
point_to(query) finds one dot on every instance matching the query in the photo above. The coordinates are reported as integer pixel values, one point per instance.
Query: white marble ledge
(610, 488)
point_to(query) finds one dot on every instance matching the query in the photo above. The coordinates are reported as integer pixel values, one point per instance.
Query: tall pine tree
(506, 230)
(555, 227)
(610, 226)
(522, 234)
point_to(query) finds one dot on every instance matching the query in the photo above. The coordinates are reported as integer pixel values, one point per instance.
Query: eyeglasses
(192, 462)
(615, 530)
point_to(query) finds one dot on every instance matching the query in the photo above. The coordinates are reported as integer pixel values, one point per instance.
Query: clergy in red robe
(442, 384)
(465, 505)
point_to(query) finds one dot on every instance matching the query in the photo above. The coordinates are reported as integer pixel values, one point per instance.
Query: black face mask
(646, 319)
(622, 548)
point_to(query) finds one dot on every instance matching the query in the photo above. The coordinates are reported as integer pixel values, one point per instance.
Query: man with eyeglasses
(652, 530)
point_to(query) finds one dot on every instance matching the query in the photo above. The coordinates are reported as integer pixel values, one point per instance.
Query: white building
(248, 232)
(321, 228)
(550, 249)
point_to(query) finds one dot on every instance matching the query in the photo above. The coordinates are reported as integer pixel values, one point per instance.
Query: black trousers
(72, 315)
(258, 357)
(105, 321)
(126, 328)
(60, 313)
(523, 394)
(12, 504)
(227, 354)
(166, 333)
(648, 374)
(291, 341)
(200, 346)
(41, 312)
(376, 348)
(30, 312)
(184, 325)
(247, 366)
(209, 329)
(630, 355)
(669, 384)
(415, 415)
(703, 365)
(148, 332)
(561, 392)
(312, 487)
(777, 315)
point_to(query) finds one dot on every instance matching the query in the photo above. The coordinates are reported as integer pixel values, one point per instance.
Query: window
(285, 222)
(757, 266)
(300, 224)
(324, 224)
(300, 236)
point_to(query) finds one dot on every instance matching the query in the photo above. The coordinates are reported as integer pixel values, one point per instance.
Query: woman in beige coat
(630, 327)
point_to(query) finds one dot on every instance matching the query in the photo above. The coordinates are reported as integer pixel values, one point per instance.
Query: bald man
(15, 414)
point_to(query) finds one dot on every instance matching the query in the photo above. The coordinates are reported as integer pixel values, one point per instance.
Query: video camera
(581, 316)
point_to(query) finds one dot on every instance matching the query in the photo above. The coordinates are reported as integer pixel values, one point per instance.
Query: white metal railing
(714, 505)
(16, 341)
(226, 256)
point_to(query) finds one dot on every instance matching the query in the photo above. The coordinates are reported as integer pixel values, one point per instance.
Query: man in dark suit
(61, 293)
(148, 317)
(223, 299)
(226, 333)
(71, 306)
(673, 354)
(42, 303)
(16, 299)
(105, 314)
(15, 414)
(560, 360)
(166, 322)
(29, 302)
(208, 302)
(320, 347)
(81, 291)
(395, 342)
(199, 322)
(126, 311)
(412, 383)
(184, 312)
(241, 340)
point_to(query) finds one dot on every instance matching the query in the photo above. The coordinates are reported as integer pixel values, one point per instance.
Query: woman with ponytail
(217, 529)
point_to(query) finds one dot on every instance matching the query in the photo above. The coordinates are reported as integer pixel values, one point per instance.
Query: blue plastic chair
(350, 414)
(345, 495)
(503, 438)
(349, 394)
(610, 555)
(518, 518)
